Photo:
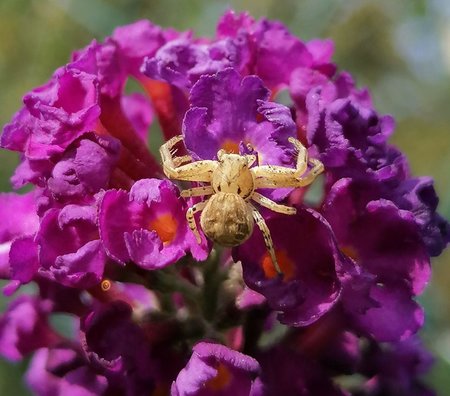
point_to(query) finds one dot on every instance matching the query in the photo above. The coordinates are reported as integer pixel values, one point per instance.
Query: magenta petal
(83, 381)
(19, 220)
(151, 191)
(128, 221)
(102, 61)
(77, 379)
(203, 367)
(144, 247)
(23, 258)
(42, 382)
(139, 111)
(84, 268)
(113, 223)
(139, 40)
(64, 109)
(24, 328)
(18, 214)
(279, 53)
(15, 136)
(230, 23)
(86, 168)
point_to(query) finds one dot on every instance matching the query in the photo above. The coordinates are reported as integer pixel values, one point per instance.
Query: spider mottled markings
(228, 215)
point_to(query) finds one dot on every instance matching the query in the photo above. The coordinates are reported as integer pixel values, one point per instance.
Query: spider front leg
(269, 204)
(191, 219)
(182, 160)
(200, 171)
(259, 220)
(272, 176)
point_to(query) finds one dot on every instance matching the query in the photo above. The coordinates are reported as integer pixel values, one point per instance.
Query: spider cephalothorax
(228, 215)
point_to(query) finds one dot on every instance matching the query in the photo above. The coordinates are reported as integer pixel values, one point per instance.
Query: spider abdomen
(227, 219)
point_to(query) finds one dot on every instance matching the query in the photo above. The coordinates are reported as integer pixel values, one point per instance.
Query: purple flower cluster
(104, 237)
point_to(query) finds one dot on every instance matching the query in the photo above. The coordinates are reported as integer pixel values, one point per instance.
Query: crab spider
(227, 216)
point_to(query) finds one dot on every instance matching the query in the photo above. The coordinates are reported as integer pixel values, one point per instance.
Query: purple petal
(397, 317)
(139, 40)
(308, 257)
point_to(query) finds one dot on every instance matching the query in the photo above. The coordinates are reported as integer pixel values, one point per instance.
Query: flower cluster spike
(104, 235)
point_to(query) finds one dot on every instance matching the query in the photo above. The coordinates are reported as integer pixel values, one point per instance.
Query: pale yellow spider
(228, 216)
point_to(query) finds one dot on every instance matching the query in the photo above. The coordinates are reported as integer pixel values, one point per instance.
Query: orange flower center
(221, 380)
(165, 226)
(350, 251)
(285, 263)
(230, 146)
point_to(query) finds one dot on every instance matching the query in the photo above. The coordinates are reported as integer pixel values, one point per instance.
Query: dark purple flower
(396, 369)
(419, 197)
(117, 348)
(385, 243)
(350, 139)
(286, 372)
(214, 369)
(309, 259)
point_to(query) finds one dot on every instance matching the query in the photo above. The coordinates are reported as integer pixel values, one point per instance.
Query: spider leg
(268, 203)
(272, 176)
(197, 191)
(198, 207)
(181, 160)
(200, 171)
(251, 159)
(259, 220)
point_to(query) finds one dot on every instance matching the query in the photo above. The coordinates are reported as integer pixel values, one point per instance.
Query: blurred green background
(399, 49)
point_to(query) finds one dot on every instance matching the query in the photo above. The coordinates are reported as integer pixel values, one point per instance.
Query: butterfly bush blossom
(101, 239)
